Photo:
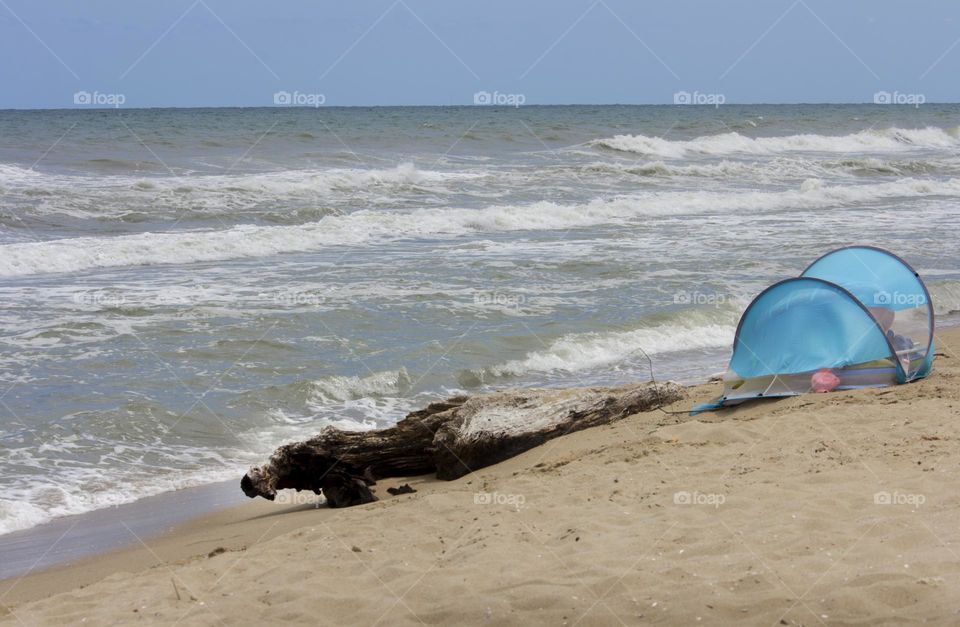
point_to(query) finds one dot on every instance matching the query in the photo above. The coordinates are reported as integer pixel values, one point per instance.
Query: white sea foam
(13, 174)
(945, 296)
(73, 491)
(370, 227)
(692, 330)
(83, 196)
(277, 182)
(869, 141)
(340, 388)
(343, 179)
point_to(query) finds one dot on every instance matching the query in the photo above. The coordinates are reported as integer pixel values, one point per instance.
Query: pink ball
(824, 381)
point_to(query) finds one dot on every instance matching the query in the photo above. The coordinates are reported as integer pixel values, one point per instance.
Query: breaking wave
(687, 331)
(376, 385)
(869, 141)
(137, 198)
(366, 227)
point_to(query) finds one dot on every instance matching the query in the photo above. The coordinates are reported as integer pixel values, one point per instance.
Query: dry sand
(837, 509)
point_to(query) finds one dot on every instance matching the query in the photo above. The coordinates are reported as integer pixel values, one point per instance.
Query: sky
(194, 53)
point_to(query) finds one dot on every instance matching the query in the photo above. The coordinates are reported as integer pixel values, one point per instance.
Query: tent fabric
(893, 291)
(857, 317)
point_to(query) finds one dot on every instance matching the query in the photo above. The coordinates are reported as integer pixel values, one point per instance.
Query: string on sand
(656, 386)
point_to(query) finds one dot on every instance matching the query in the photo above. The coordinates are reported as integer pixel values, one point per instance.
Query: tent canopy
(857, 317)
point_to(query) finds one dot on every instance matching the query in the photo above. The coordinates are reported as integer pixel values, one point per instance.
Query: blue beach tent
(857, 317)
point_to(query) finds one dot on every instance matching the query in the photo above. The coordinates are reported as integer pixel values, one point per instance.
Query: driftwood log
(451, 437)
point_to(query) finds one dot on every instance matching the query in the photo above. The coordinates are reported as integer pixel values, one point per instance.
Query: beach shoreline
(792, 525)
(70, 538)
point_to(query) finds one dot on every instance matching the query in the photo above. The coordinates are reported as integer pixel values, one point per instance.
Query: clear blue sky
(413, 52)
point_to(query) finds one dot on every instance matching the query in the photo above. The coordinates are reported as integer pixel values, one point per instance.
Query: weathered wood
(451, 437)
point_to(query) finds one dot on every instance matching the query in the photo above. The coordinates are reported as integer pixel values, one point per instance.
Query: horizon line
(479, 106)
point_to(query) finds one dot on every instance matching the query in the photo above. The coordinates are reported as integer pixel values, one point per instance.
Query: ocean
(184, 290)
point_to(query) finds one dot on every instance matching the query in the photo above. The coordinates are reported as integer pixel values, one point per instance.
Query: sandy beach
(835, 509)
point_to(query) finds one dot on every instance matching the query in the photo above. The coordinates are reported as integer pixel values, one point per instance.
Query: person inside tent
(826, 380)
(900, 343)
